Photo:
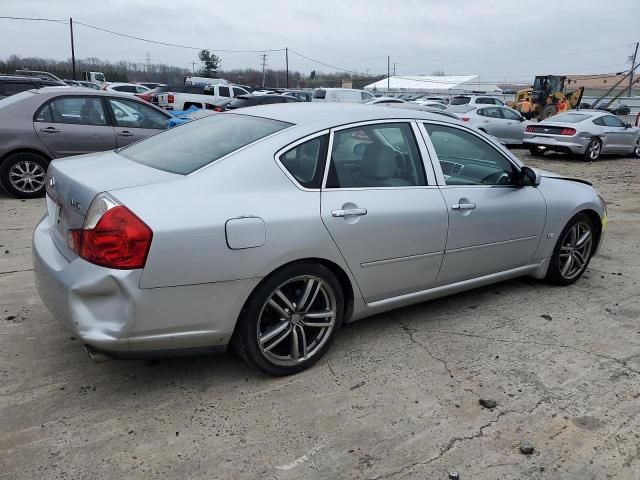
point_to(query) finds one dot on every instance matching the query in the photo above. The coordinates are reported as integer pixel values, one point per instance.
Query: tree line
(125, 71)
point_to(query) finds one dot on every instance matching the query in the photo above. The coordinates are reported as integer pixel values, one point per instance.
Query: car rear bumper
(108, 310)
(558, 143)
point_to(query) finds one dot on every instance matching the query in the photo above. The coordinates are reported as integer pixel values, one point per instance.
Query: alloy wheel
(575, 250)
(296, 320)
(27, 176)
(594, 150)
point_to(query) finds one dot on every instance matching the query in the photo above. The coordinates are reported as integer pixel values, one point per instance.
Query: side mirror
(522, 119)
(627, 125)
(530, 177)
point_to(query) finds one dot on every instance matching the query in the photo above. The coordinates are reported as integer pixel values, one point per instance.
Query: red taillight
(119, 238)
(568, 131)
(530, 128)
(170, 98)
(218, 109)
(465, 119)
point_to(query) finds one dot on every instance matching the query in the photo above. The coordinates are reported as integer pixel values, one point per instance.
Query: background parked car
(126, 88)
(504, 123)
(91, 85)
(253, 100)
(475, 100)
(10, 85)
(431, 104)
(302, 95)
(379, 100)
(588, 133)
(150, 85)
(341, 95)
(37, 126)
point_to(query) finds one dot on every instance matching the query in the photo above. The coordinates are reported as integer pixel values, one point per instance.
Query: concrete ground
(396, 397)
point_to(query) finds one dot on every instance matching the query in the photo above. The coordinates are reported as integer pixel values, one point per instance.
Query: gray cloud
(493, 38)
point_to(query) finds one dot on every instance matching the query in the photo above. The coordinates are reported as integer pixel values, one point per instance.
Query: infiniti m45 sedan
(267, 229)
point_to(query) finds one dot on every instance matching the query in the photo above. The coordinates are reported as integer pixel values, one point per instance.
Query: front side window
(509, 114)
(366, 96)
(239, 91)
(382, 155)
(74, 110)
(132, 114)
(304, 162)
(466, 159)
(196, 144)
(491, 112)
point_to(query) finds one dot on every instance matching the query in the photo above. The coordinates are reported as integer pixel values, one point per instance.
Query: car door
(514, 125)
(494, 223)
(383, 209)
(619, 137)
(493, 122)
(74, 125)
(134, 120)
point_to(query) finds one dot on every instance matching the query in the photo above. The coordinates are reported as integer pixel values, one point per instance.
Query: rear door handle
(50, 130)
(125, 134)
(350, 212)
(463, 206)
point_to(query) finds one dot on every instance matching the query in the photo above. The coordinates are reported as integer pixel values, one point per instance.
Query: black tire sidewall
(9, 162)
(586, 156)
(536, 152)
(244, 340)
(553, 273)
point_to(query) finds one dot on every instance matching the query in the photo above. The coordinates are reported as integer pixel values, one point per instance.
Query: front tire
(23, 174)
(291, 319)
(593, 151)
(536, 151)
(573, 251)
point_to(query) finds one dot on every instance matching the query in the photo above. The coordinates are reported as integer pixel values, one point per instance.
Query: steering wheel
(498, 178)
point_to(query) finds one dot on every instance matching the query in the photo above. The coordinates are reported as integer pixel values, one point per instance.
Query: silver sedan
(587, 133)
(268, 229)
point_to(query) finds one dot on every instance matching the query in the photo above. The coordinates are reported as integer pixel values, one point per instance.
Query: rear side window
(305, 161)
(460, 100)
(319, 93)
(611, 121)
(194, 145)
(224, 91)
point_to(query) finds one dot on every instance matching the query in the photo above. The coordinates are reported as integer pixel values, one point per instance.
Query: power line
(328, 65)
(34, 19)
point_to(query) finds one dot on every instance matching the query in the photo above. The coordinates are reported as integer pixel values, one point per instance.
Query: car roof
(300, 113)
(25, 77)
(80, 91)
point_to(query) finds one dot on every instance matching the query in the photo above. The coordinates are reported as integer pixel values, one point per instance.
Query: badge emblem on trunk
(75, 204)
(52, 181)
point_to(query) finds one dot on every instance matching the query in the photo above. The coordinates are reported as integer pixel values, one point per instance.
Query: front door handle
(50, 130)
(125, 134)
(463, 206)
(349, 212)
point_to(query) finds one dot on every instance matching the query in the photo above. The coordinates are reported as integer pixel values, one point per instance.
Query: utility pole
(286, 53)
(148, 65)
(633, 66)
(73, 50)
(388, 72)
(264, 64)
(193, 67)
(394, 68)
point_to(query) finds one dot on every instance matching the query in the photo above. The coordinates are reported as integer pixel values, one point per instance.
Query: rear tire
(281, 329)
(593, 151)
(573, 251)
(636, 151)
(23, 174)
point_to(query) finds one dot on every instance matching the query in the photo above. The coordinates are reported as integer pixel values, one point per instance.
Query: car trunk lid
(72, 183)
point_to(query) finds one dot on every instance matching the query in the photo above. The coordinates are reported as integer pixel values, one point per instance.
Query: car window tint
(11, 88)
(140, 89)
(44, 114)
(492, 112)
(484, 101)
(460, 100)
(132, 114)
(509, 114)
(611, 121)
(239, 91)
(382, 155)
(304, 162)
(466, 159)
(599, 121)
(78, 110)
(223, 92)
(196, 144)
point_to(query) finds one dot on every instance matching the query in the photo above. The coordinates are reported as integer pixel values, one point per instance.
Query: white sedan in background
(126, 88)
(504, 123)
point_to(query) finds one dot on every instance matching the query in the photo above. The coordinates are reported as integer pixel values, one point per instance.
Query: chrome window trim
(430, 179)
(436, 163)
(293, 145)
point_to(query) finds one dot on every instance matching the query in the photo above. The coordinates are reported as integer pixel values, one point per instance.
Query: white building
(446, 85)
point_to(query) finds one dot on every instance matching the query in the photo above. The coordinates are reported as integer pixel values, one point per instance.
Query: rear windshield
(460, 100)
(569, 117)
(5, 102)
(187, 148)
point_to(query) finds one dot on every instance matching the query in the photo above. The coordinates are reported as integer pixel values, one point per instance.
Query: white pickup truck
(182, 97)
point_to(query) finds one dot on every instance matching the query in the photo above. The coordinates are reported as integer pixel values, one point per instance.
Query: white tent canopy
(434, 84)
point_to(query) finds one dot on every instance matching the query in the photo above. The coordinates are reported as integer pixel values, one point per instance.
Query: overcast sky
(497, 39)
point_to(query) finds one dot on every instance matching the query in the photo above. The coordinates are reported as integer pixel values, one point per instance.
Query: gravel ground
(396, 397)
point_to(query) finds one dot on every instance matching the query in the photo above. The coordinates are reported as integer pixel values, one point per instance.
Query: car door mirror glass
(530, 177)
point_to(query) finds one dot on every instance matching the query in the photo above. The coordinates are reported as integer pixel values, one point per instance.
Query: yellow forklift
(544, 96)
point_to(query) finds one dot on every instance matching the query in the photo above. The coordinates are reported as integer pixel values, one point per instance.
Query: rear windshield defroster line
(187, 148)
